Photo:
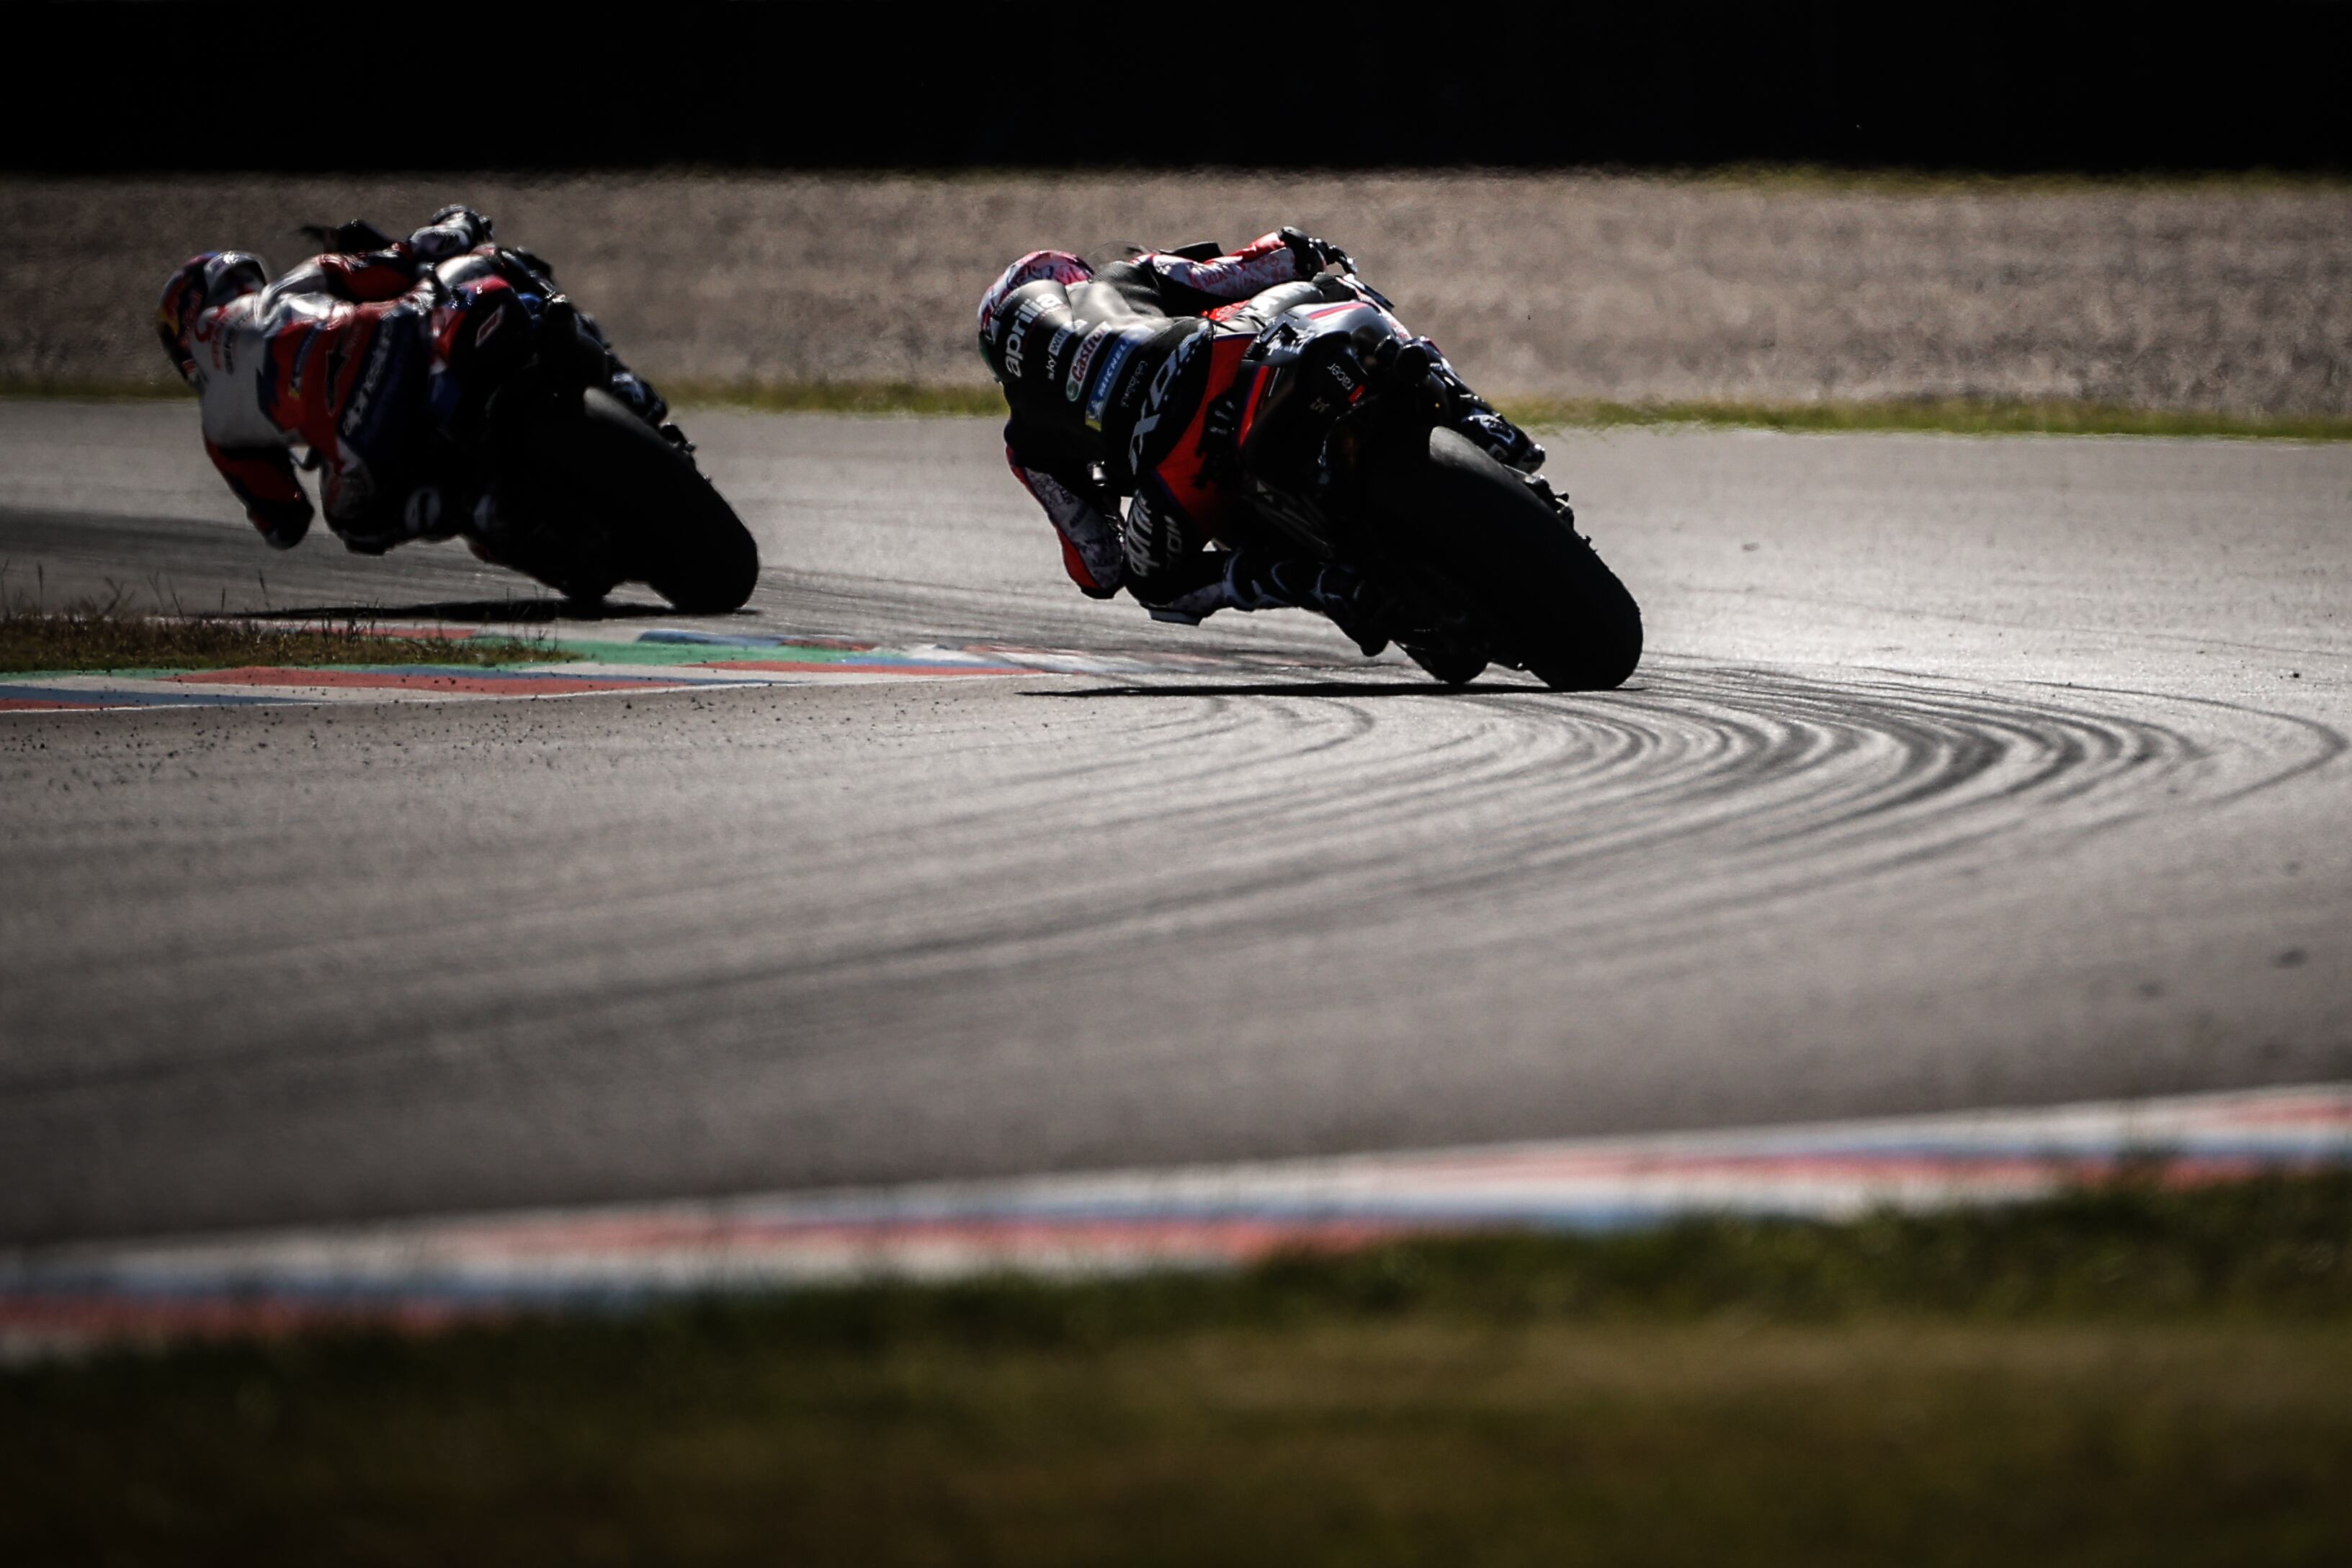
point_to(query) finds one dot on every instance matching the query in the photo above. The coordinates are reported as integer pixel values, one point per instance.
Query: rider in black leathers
(1112, 375)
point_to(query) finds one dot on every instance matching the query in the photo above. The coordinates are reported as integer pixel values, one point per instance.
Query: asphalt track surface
(1961, 773)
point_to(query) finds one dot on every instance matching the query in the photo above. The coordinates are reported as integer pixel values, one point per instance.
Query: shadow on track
(481, 612)
(1315, 689)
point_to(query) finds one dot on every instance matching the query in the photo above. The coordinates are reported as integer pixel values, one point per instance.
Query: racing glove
(1313, 254)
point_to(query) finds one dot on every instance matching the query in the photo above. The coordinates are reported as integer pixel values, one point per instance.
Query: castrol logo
(1074, 385)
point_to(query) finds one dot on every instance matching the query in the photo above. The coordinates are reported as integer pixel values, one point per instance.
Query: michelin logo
(1121, 350)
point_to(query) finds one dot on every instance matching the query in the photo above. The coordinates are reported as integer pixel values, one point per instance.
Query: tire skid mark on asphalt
(1746, 796)
(1587, 815)
(1793, 782)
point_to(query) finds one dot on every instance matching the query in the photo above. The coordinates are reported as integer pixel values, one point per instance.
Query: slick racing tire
(1545, 595)
(598, 474)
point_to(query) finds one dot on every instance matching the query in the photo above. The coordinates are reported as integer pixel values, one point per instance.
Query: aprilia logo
(1152, 400)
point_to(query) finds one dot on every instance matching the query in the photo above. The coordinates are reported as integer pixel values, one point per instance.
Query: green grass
(2136, 1376)
(1957, 416)
(104, 637)
(1951, 415)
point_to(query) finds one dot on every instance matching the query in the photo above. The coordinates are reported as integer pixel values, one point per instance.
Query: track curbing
(657, 660)
(429, 1273)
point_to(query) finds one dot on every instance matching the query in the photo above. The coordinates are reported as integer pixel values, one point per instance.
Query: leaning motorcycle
(1339, 436)
(583, 494)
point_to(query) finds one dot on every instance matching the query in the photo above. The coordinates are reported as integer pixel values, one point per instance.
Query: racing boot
(1332, 588)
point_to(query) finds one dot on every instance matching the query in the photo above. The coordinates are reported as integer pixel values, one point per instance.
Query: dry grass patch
(90, 636)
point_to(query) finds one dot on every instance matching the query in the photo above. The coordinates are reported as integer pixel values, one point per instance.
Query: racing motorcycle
(585, 494)
(1339, 442)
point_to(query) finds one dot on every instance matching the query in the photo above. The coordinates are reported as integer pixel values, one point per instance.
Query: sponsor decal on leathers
(1155, 399)
(1122, 348)
(379, 355)
(1037, 309)
(1074, 385)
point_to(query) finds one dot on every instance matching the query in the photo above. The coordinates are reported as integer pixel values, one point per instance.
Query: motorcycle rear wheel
(1547, 598)
(592, 470)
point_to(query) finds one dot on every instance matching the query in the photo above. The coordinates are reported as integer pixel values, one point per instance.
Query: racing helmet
(215, 277)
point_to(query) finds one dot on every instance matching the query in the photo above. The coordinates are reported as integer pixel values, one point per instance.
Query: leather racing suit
(361, 356)
(1111, 376)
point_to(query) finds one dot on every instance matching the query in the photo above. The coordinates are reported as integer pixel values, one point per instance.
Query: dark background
(2000, 87)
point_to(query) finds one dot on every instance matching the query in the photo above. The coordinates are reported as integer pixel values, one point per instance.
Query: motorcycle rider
(1114, 377)
(363, 354)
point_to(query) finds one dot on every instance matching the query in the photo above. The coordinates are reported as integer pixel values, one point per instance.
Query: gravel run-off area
(2229, 296)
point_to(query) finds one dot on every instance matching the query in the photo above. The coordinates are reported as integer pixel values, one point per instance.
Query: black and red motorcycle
(1344, 436)
(583, 492)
